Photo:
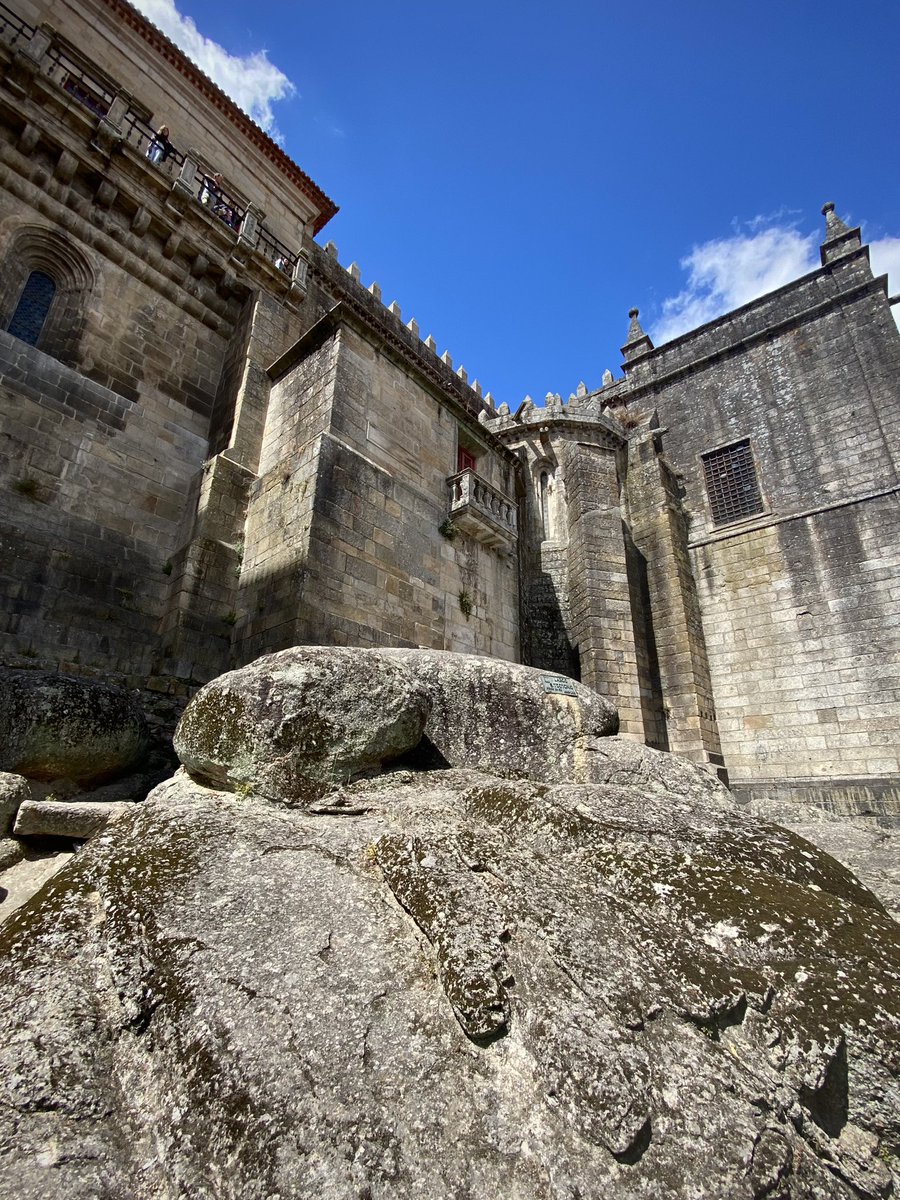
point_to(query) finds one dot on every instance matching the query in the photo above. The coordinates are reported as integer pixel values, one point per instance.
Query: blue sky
(518, 175)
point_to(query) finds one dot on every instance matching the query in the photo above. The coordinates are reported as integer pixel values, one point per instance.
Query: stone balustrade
(480, 510)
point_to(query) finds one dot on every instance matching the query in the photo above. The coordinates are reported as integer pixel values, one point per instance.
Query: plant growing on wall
(448, 530)
(465, 604)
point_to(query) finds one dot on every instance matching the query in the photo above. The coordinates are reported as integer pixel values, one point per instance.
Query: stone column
(40, 43)
(27, 59)
(186, 183)
(108, 134)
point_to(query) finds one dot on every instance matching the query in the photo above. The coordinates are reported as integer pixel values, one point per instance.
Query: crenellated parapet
(345, 285)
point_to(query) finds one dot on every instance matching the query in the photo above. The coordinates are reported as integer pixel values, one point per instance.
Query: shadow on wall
(545, 643)
(650, 681)
(74, 594)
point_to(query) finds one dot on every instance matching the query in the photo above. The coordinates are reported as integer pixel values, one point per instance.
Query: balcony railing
(213, 196)
(13, 30)
(159, 151)
(479, 509)
(98, 97)
(78, 82)
(276, 252)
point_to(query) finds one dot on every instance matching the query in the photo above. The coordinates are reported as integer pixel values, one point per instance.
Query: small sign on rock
(559, 685)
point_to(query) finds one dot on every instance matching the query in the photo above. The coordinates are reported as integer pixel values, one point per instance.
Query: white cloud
(884, 256)
(727, 272)
(252, 82)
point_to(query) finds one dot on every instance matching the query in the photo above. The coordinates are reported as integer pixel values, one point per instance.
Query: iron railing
(97, 96)
(213, 197)
(13, 30)
(276, 252)
(78, 82)
(157, 150)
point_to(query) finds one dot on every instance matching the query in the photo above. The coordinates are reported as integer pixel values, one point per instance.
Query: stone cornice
(173, 244)
(571, 428)
(115, 243)
(767, 520)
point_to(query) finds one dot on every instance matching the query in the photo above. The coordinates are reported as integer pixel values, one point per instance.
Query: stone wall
(344, 539)
(582, 608)
(126, 535)
(94, 486)
(676, 688)
(802, 628)
(808, 375)
(798, 601)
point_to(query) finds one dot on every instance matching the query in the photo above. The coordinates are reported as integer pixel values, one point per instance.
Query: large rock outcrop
(13, 792)
(447, 983)
(295, 723)
(504, 718)
(57, 727)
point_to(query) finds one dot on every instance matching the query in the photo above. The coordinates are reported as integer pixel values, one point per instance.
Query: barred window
(33, 307)
(731, 483)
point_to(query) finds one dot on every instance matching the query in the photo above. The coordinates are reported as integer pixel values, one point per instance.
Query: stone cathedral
(217, 441)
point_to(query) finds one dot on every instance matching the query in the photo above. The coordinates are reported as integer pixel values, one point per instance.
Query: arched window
(45, 283)
(34, 305)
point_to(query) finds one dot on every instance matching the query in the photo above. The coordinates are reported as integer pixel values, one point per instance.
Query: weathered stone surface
(54, 725)
(131, 788)
(54, 789)
(24, 873)
(293, 724)
(631, 764)
(868, 846)
(11, 851)
(13, 791)
(66, 818)
(448, 984)
(499, 717)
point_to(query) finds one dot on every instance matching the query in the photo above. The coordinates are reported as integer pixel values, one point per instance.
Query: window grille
(731, 483)
(34, 304)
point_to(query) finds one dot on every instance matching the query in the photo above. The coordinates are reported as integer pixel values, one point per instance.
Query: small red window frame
(465, 461)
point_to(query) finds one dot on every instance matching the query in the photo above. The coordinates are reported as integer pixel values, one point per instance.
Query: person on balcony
(211, 195)
(160, 148)
(211, 191)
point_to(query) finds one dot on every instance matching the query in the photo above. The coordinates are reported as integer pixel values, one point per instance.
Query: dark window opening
(33, 307)
(545, 504)
(465, 461)
(731, 483)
